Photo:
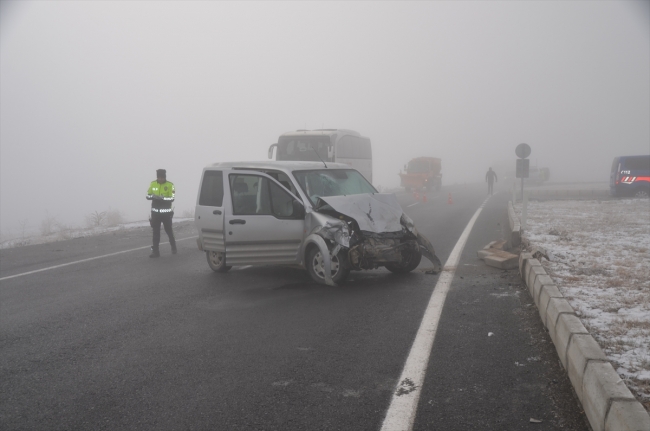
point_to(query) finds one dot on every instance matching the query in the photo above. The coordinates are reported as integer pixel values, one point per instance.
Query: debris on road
(495, 255)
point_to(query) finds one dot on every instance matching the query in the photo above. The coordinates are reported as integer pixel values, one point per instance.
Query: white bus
(328, 145)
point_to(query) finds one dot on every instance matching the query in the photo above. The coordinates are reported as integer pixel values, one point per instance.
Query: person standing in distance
(490, 177)
(161, 194)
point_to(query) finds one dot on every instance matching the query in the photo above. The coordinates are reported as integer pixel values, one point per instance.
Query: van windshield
(332, 182)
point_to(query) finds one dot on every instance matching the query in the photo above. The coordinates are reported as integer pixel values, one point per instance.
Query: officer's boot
(173, 248)
(154, 252)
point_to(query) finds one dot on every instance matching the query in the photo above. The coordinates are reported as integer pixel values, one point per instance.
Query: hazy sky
(95, 96)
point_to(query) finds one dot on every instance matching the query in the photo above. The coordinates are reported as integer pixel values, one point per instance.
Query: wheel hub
(216, 258)
(319, 265)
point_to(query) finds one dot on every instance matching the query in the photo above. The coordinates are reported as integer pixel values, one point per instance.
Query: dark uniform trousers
(166, 220)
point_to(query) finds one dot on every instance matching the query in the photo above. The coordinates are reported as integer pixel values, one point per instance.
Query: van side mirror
(298, 210)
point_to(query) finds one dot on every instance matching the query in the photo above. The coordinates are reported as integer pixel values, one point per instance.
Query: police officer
(161, 194)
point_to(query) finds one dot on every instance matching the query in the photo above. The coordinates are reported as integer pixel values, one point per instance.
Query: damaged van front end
(368, 231)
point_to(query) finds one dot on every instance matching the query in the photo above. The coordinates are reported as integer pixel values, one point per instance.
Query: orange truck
(422, 173)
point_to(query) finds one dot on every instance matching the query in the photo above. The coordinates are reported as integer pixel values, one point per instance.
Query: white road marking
(403, 406)
(412, 204)
(87, 260)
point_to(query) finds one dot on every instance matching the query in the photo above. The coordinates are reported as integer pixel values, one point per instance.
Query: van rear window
(212, 189)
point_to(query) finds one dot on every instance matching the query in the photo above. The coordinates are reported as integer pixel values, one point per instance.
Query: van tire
(409, 266)
(217, 261)
(643, 194)
(315, 267)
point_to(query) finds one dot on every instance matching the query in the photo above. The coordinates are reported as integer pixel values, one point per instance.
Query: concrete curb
(607, 402)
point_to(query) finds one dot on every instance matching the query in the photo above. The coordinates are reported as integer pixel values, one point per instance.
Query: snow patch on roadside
(78, 233)
(599, 255)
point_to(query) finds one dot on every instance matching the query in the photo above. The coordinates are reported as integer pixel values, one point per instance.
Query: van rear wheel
(217, 261)
(643, 194)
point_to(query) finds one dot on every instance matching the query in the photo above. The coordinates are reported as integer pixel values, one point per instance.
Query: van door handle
(216, 212)
(237, 221)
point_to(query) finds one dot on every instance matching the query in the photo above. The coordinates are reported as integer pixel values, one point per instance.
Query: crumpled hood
(378, 212)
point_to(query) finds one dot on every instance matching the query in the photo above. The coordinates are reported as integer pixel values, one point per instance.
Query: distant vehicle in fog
(630, 176)
(329, 145)
(422, 172)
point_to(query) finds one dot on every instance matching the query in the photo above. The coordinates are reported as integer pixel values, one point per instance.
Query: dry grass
(636, 324)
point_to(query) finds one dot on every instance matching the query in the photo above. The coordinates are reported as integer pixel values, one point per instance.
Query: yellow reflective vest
(161, 196)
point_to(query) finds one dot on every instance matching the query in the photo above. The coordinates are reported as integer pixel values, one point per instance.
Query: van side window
(212, 189)
(283, 179)
(250, 195)
(281, 201)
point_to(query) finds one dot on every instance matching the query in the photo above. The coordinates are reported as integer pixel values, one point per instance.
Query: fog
(95, 96)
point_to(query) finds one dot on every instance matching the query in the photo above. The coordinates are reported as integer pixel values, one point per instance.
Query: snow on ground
(599, 257)
(65, 234)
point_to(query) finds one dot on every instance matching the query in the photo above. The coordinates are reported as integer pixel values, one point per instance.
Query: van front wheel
(316, 266)
(217, 261)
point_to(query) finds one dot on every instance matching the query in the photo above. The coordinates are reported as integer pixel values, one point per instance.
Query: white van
(325, 217)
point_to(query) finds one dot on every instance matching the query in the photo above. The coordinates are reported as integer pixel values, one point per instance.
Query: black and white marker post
(523, 151)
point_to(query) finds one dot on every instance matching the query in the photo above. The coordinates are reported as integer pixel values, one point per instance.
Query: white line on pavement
(404, 403)
(87, 260)
(412, 204)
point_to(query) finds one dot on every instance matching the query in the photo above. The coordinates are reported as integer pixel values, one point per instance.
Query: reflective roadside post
(523, 151)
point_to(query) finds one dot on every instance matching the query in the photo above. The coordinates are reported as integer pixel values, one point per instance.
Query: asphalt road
(128, 342)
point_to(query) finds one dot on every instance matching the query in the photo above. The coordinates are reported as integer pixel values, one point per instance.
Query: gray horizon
(95, 96)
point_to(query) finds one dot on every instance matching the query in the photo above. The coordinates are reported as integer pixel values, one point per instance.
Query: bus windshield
(332, 182)
(305, 148)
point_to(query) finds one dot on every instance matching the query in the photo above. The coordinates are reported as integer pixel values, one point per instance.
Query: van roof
(279, 165)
